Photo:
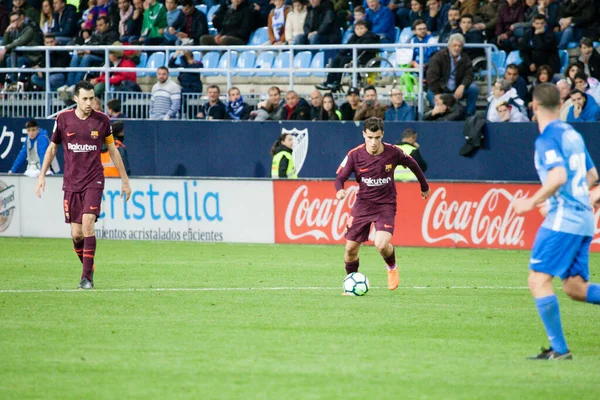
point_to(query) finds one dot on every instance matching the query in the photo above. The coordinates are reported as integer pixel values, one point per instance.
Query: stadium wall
(472, 215)
(241, 149)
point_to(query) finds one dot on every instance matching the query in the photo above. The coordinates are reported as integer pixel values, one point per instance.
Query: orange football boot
(393, 278)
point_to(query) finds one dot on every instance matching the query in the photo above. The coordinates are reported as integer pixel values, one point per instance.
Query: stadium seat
(514, 58)
(347, 35)
(499, 60)
(564, 60)
(397, 34)
(265, 62)
(572, 45)
(223, 62)
(212, 31)
(318, 61)
(302, 60)
(156, 60)
(202, 8)
(210, 60)
(405, 35)
(211, 13)
(596, 44)
(282, 61)
(142, 64)
(259, 37)
(197, 56)
(247, 59)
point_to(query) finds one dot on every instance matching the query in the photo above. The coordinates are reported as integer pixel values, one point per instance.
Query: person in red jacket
(116, 78)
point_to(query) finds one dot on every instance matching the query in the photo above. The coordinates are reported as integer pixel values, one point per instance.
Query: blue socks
(593, 294)
(550, 315)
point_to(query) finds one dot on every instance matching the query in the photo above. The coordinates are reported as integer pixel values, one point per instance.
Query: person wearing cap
(116, 78)
(348, 109)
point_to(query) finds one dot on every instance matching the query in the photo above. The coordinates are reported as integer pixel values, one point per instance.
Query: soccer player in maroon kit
(82, 132)
(373, 164)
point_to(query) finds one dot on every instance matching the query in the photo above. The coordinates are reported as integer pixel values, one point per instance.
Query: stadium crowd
(533, 32)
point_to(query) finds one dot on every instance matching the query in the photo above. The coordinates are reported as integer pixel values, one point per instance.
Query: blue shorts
(561, 254)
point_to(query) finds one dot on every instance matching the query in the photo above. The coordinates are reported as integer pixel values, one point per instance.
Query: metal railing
(28, 104)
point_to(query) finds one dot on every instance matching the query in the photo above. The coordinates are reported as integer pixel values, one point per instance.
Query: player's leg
(575, 280)
(386, 250)
(72, 209)
(91, 200)
(351, 256)
(357, 232)
(77, 235)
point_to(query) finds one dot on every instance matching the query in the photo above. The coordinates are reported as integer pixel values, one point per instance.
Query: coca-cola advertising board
(476, 215)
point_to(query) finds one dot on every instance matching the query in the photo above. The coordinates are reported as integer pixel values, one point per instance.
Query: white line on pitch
(283, 288)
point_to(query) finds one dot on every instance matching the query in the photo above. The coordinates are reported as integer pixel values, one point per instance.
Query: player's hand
(522, 205)
(41, 185)
(341, 194)
(126, 190)
(426, 194)
(543, 209)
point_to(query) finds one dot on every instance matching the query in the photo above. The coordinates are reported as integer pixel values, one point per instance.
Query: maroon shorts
(359, 223)
(78, 203)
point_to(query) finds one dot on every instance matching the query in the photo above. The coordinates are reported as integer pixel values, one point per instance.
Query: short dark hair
(586, 41)
(362, 22)
(539, 17)
(448, 100)
(359, 9)
(370, 87)
(466, 16)
(114, 104)
(18, 13)
(118, 128)
(545, 68)
(408, 133)
(417, 23)
(576, 91)
(187, 3)
(103, 18)
(513, 66)
(373, 124)
(216, 87)
(547, 96)
(581, 75)
(85, 85)
(32, 123)
(271, 88)
(49, 36)
(454, 8)
(163, 67)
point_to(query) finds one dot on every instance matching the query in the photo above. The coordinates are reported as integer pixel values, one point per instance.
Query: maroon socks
(89, 250)
(351, 267)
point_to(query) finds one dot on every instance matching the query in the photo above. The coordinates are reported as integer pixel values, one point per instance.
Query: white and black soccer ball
(356, 284)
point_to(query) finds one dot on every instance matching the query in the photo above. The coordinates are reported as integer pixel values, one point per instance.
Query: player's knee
(78, 237)
(381, 246)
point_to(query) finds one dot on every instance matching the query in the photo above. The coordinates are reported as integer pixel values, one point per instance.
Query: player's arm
(555, 178)
(344, 171)
(48, 157)
(118, 161)
(410, 163)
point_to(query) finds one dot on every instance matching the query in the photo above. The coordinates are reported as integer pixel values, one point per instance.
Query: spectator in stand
(320, 26)
(450, 26)
(113, 107)
(539, 8)
(237, 109)
(421, 36)
(97, 104)
(133, 25)
(506, 114)
(399, 110)
(410, 147)
(588, 85)
(446, 108)
(33, 152)
(104, 36)
(271, 109)
(577, 19)
(154, 25)
(294, 22)
(382, 21)
(234, 25)
(437, 15)
(87, 14)
(190, 25)
(362, 35)
(214, 107)
(538, 47)
(20, 33)
(401, 9)
(46, 17)
(120, 81)
(544, 75)
(370, 107)
(359, 15)
(509, 13)
(417, 12)
(295, 107)
(276, 23)
(316, 104)
(486, 19)
(471, 35)
(103, 8)
(348, 109)
(565, 95)
(118, 130)
(571, 71)
(59, 59)
(450, 71)
(589, 58)
(260, 10)
(32, 14)
(467, 6)
(173, 14)
(166, 96)
(329, 111)
(190, 81)
(584, 108)
(511, 74)
(126, 15)
(503, 92)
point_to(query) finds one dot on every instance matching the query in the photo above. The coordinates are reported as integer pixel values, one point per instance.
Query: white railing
(50, 98)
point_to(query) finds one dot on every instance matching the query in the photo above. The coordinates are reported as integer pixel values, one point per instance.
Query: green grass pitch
(269, 322)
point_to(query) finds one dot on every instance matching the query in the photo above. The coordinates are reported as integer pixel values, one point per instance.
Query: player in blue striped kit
(561, 247)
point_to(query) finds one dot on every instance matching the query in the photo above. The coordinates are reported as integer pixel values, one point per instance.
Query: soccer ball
(356, 284)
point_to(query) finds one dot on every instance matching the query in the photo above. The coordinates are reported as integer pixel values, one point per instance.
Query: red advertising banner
(475, 215)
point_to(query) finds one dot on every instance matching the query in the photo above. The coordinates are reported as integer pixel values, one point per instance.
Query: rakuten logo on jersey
(376, 182)
(81, 148)
(488, 220)
(324, 218)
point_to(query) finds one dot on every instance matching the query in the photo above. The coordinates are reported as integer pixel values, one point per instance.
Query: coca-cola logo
(488, 220)
(320, 218)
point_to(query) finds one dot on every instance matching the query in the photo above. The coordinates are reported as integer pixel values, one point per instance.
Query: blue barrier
(241, 149)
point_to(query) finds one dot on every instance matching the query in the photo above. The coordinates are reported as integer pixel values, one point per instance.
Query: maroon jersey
(375, 174)
(82, 141)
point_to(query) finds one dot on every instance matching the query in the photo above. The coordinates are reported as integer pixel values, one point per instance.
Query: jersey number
(579, 185)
